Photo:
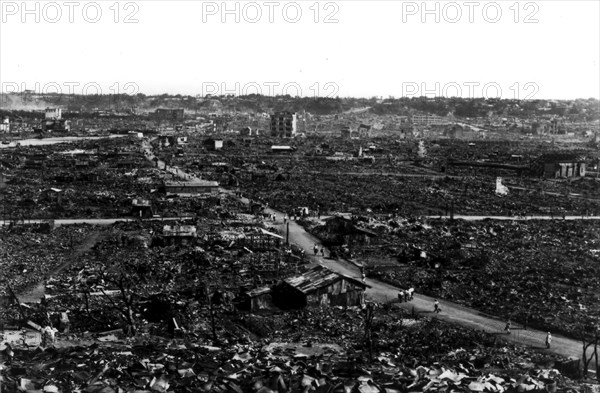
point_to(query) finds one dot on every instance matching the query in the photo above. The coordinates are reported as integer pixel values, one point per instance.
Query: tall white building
(53, 113)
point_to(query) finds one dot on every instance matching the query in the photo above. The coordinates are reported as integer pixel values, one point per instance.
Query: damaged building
(283, 124)
(562, 165)
(319, 287)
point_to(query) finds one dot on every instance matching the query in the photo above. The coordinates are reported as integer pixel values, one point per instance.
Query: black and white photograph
(347, 196)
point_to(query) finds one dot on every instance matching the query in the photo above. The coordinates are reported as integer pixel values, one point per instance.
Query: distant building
(198, 187)
(248, 131)
(364, 130)
(426, 120)
(282, 149)
(319, 287)
(53, 114)
(345, 132)
(59, 125)
(169, 114)
(407, 130)
(562, 165)
(5, 125)
(283, 124)
(213, 144)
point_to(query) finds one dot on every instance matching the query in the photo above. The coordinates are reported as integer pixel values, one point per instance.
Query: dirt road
(35, 294)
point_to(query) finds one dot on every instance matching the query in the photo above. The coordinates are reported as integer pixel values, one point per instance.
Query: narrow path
(35, 294)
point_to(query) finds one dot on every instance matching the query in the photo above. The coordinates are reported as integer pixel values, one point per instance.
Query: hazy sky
(537, 49)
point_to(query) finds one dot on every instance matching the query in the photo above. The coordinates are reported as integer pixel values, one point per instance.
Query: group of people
(406, 295)
(316, 249)
(548, 340)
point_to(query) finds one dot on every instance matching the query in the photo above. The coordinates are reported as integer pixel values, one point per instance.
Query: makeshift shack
(141, 208)
(319, 287)
(256, 299)
(344, 230)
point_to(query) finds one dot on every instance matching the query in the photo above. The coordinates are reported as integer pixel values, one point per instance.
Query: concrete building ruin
(53, 114)
(562, 165)
(284, 124)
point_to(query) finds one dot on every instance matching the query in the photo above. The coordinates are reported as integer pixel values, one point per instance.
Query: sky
(510, 49)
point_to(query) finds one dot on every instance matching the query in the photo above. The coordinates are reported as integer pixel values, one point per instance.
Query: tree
(590, 339)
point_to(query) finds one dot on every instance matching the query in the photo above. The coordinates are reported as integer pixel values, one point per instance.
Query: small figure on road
(64, 321)
(364, 277)
(406, 295)
(548, 340)
(323, 251)
(401, 296)
(507, 327)
(411, 292)
(436, 306)
(316, 249)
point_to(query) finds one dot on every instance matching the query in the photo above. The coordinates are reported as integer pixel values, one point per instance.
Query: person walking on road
(401, 296)
(411, 293)
(323, 251)
(548, 340)
(316, 249)
(507, 327)
(436, 306)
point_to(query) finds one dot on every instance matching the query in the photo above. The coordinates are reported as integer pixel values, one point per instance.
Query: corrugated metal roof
(195, 183)
(318, 277)
(265, 232)
(258, 291)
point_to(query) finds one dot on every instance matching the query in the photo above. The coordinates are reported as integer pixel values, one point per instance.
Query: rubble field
(329, 355)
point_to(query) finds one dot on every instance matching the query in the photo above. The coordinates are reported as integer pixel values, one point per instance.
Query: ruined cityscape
(279, 244)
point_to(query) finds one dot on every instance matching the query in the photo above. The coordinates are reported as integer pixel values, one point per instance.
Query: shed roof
(319, 277)
(258, 291)
(195, 183)
(265, 232)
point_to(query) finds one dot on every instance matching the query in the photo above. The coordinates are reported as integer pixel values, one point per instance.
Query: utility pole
(287, 235)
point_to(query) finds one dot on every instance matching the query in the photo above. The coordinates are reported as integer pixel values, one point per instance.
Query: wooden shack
(257, 299)
(319, 287)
